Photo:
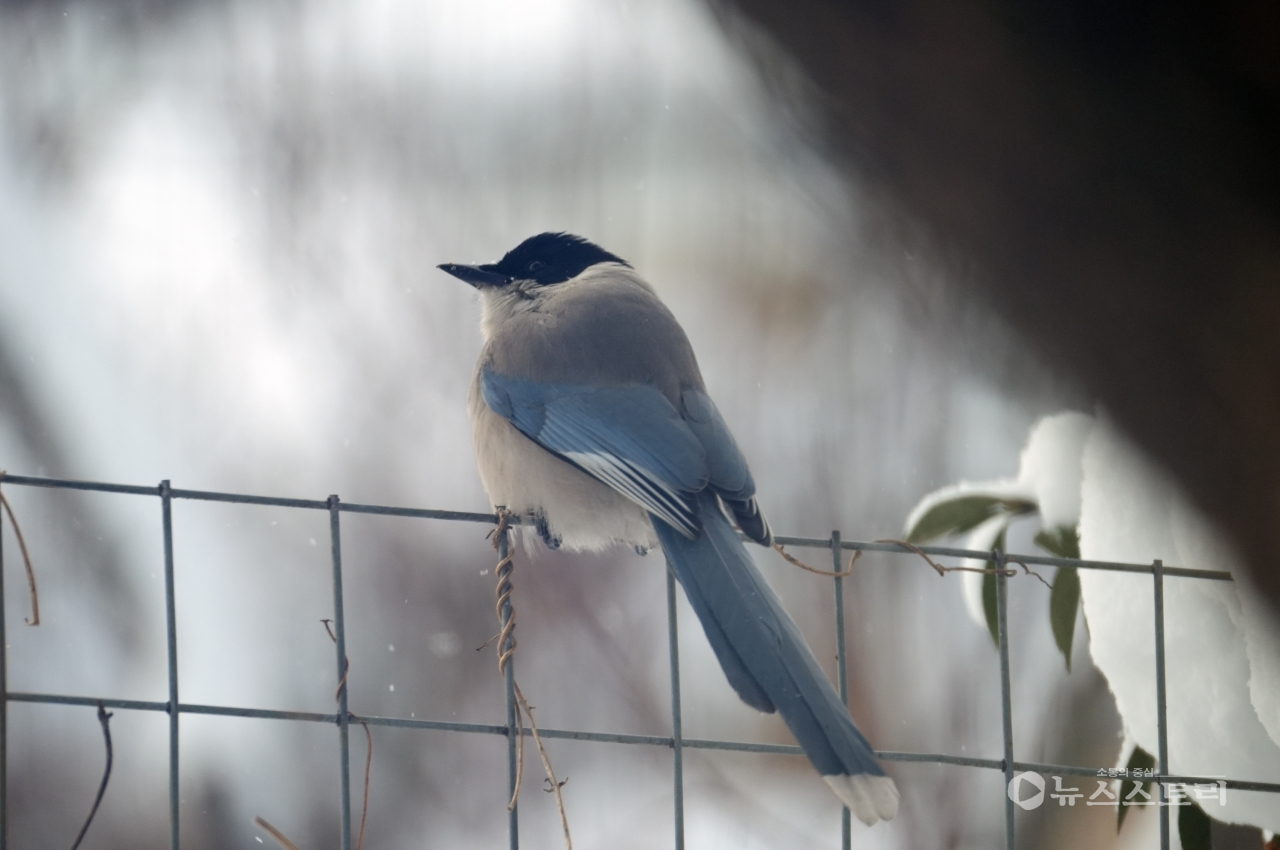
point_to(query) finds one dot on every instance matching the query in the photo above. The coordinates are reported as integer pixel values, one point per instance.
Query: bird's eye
(536, 265)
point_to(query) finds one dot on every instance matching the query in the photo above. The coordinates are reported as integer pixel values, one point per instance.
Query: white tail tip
(870, 798)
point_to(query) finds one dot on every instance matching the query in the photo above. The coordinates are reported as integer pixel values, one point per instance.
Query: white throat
(499, 305)
(523, 296)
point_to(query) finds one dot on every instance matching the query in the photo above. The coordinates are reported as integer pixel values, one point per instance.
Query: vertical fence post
(677, 733)
(842, 673)
(4, 706)
(509, 690)
(171, 637)
(1162, 720)
(340, 632)
(1006, 701)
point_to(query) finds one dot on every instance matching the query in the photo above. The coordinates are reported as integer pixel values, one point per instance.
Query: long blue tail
(767, 662)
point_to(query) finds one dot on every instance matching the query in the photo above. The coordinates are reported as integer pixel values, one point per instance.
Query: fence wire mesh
(676, 742)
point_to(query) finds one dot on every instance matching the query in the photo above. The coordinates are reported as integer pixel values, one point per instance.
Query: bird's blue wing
(727, 468)
(728, 474)
(631, 438)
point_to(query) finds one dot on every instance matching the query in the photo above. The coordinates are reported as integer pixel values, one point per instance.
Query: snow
(1050, 466)
(1222, 643)
(1262, 644)
(1131, 511)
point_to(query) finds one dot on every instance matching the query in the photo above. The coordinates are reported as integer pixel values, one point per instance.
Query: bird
(591, 419)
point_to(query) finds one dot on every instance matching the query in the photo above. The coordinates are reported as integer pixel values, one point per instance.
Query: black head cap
(546, 258)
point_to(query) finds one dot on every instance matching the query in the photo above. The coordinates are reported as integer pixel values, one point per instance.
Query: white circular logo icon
(1015, 789)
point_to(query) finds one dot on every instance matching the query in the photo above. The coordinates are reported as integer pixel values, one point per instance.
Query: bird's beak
(481, 277)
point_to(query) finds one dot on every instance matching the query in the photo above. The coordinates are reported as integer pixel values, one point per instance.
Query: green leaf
(1063, 541)
(964, 513)
(1064, 601)
(989, 593)
(1194, 827)
(1140, 760)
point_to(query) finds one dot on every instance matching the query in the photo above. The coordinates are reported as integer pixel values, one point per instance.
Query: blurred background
(219, 225)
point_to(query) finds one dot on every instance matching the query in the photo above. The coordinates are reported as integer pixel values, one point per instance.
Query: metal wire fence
(676, 742)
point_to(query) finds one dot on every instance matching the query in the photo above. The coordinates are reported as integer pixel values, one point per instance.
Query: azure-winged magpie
(590, 417)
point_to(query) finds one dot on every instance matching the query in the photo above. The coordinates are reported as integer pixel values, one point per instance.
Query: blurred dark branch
(1104, 177)
(19, 409)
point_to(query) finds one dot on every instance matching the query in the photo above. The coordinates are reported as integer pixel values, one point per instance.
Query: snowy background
(219, 226)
